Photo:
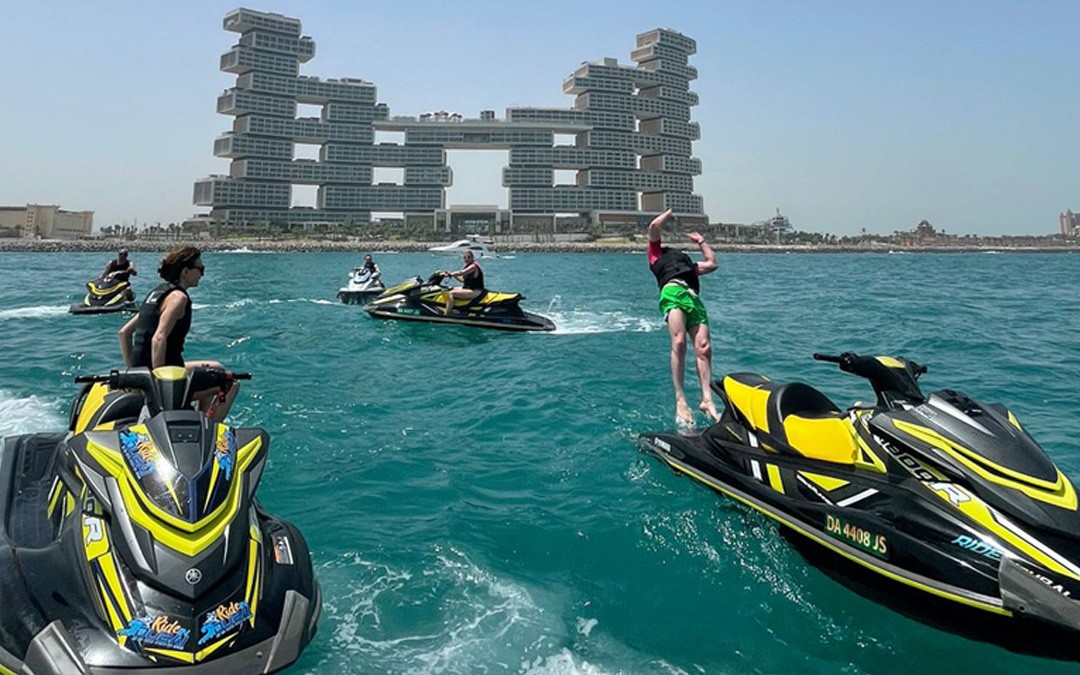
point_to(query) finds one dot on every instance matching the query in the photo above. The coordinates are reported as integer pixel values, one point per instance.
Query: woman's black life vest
(474, 281)
(149, 316)
(675, 265)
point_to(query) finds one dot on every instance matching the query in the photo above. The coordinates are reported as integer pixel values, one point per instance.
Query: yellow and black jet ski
(105, 295)
(936, 501)
(133, 543)
(419, 300)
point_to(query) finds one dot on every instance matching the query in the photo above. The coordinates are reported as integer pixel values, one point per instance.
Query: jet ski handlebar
(136, 378)
(893, 379)
(163, 391)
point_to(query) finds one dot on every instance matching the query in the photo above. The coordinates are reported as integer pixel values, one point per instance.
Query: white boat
(481, 248)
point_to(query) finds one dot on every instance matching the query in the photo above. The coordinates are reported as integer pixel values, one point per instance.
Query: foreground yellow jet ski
(134, 543)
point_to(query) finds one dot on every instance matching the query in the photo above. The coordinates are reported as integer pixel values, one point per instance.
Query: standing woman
(155, 336)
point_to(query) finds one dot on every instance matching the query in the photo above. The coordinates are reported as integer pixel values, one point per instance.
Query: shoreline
(377, 245)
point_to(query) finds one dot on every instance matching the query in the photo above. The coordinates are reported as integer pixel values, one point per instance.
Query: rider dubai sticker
(140, 452)
(157, 631)
(225, 451)
(223, 619)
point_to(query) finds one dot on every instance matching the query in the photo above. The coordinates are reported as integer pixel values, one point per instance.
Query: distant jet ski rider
(121, 269)
(371, 268)
(472, 282)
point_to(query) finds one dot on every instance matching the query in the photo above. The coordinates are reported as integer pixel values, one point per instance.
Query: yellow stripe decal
(1015, 422)
(829, 544)
(69, 503)
(1059, 493)
(192, 538)
(775, 481)
(94, 398)
(827, 483)
(200, 655)
(172, 493)
(54, 497)
(976, 510)
(868, 458)
(112, 577)
(889, 362)
(110, 610)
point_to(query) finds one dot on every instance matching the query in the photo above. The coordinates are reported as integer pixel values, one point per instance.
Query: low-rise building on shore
(45, 221)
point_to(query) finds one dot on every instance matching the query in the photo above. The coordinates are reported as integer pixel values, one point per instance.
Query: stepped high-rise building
(631, 151)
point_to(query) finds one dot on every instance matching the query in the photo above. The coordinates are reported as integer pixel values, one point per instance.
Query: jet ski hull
(520, 321)
(939, 494)
(103, 309)
(358, 297)
(106, 296)
(861, 536)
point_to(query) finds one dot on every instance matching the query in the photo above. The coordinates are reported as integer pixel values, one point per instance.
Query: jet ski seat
(793, 413)
(813, 425)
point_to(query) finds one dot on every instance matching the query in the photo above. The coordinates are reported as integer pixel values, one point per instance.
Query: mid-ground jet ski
(106, 294)
(419, 300)
(134, 543)
(363, 287)
(941, 493)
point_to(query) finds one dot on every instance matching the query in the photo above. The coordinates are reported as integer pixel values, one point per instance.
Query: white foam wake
(38, 312)
(24, 415)
(576, 323)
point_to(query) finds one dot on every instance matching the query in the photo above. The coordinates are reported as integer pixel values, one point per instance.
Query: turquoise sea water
(475, 501)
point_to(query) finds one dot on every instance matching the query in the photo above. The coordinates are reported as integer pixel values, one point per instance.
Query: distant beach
(600, 246)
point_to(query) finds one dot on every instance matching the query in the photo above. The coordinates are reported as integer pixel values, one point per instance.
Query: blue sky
(844, 114)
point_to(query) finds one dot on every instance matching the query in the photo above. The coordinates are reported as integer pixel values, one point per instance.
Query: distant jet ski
(107, 294)
(419, 300)
(363, 287)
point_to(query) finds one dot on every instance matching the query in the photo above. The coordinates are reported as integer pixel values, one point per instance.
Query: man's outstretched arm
(708, 263)
(657, 222)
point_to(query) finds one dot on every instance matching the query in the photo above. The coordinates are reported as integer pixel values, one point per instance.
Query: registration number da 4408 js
(864, 539)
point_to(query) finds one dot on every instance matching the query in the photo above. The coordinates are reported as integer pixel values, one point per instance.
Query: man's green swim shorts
(677, 296)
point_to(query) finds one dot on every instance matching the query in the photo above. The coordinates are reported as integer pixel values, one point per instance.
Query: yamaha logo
(193, 576)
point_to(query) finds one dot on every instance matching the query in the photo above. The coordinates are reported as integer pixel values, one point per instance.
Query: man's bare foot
(709, 408)
(683, 414)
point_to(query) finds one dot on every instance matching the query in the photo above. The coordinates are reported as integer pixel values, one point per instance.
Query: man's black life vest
(675, 265)
(475, 280)
(149, 316)
(122, 269)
